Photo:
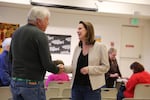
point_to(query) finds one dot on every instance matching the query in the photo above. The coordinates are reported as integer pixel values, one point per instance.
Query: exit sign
(134, 21)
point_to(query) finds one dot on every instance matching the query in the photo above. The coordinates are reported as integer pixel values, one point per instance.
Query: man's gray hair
(6, 43)
(38, 12)
(111, 50)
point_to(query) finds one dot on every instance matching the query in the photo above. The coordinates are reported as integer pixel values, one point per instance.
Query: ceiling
(121, 8)
(141, 2)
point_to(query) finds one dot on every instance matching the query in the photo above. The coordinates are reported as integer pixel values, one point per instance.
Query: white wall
(66, 23)
(146, 46)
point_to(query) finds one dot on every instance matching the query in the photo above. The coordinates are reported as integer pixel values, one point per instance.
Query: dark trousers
(120, 95)
(85, 93)
(110, 82)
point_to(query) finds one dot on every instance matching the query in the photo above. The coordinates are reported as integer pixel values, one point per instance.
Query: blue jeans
(85, 93)
(120, 95)
(22, 90)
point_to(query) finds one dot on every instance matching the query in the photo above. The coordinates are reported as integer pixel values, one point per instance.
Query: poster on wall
(98, 38)
(59, 44)
(6, 30)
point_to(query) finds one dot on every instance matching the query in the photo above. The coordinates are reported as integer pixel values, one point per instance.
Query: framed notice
(59, 44)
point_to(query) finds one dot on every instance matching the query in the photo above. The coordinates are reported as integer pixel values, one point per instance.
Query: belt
(32, 82)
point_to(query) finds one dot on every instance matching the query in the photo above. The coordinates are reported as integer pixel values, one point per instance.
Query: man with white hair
(30, 57)
(5, 65)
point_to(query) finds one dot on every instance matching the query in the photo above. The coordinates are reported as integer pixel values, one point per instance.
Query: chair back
(108, 93)
(66, 92)
(142, 91)
(63, 90)
(60, 84)
(5, 93)
(52, 92)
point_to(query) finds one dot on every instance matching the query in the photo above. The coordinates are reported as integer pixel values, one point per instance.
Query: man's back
(30, 57)
(30, 53)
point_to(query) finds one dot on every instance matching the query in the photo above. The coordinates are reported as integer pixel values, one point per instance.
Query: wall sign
(59, 44)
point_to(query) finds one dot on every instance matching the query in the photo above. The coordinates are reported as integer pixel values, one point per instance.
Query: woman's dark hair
(90, 36)
(136, 67)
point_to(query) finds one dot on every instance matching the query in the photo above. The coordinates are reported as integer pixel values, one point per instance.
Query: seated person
(139, 76)
(60, 77)
(114, 73)
(5, 65)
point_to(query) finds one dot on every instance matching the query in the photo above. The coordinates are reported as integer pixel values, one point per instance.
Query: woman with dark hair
(89, 64)
(139, 76)
(136, 67)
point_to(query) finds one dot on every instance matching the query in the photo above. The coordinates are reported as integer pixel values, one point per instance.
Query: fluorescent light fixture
(85, 5)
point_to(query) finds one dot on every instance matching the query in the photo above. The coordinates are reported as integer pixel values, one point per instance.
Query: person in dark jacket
(5, 65)
(30, 57)
(114, 73)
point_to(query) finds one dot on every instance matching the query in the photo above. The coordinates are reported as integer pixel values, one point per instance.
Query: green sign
(134, 21)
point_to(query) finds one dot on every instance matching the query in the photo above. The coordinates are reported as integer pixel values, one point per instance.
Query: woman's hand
(84, 70)
(114, 75)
